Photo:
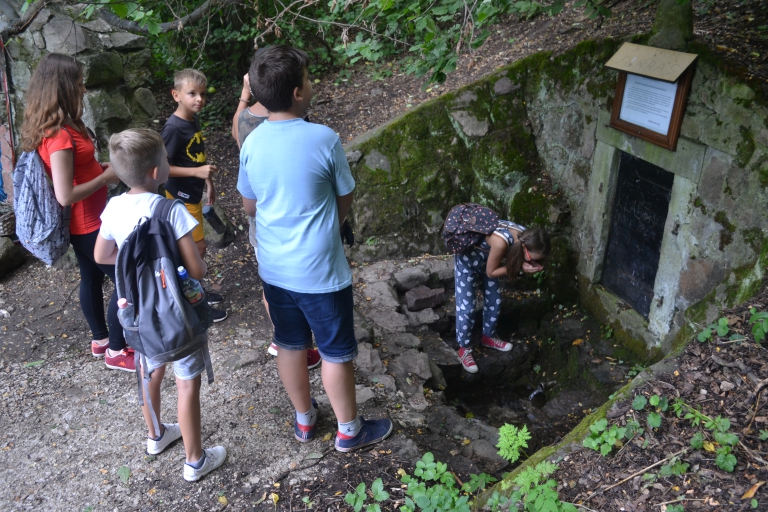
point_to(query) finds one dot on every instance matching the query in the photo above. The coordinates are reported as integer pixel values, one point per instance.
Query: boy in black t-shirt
(190, 175)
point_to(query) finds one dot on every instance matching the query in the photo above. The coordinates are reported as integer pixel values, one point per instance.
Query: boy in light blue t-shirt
(298, 173)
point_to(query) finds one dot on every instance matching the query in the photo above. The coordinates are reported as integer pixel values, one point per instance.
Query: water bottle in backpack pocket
(195, 295)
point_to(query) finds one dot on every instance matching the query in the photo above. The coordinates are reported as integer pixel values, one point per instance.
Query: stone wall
(117, 69)
(532, 141)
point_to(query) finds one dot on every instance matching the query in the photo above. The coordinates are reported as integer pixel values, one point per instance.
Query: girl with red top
(53, 126)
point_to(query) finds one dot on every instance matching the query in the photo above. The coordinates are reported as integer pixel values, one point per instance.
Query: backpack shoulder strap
(163, 208)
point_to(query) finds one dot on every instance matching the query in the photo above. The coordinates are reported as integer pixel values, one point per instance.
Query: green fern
(511, 440)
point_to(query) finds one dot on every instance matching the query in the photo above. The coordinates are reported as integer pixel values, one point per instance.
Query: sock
(350, 429)
(198, 464)
(161, 435)
(308, 418)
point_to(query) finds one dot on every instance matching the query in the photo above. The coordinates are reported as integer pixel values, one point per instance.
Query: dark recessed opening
(637, 227)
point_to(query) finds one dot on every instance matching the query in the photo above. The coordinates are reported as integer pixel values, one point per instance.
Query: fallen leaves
(752, 490)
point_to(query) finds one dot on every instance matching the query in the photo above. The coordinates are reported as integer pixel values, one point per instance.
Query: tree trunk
(673, 25)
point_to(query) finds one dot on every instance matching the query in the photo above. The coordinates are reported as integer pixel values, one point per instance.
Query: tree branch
(21, 24)
(190, 19)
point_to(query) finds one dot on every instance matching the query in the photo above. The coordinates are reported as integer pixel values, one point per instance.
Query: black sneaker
(218, 315)
(213, 298)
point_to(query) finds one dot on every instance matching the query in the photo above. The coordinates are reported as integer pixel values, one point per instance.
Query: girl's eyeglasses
(528, 259)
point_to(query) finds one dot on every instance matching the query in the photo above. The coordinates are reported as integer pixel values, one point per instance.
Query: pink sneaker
(496, 343)
(467, 361)
(98, 350)
(313, 355)
(122, 361)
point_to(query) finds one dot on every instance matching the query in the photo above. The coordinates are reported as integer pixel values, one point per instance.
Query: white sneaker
(171, 434)
(272, 349)
(214, 457)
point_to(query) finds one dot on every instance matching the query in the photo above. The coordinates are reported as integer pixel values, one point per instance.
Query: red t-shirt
(86, 214)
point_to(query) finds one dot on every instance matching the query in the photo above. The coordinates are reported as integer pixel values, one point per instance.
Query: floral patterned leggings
(469, 271)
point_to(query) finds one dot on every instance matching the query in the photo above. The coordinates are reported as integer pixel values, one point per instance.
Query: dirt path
(68, 425)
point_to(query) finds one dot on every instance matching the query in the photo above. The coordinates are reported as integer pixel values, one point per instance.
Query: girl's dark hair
(275, 72)
(53, 96)
(536, 240)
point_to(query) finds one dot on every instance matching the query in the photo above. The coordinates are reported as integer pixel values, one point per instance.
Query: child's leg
(339, 383)
(292, 367)
(189, 417)
(492, 305)
(91, 281)
(154, 395)
(466, 285)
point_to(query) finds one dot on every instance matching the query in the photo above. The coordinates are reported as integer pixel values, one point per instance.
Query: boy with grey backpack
(138, 232)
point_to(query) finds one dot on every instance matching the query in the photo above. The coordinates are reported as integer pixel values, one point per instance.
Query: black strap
(163, 208)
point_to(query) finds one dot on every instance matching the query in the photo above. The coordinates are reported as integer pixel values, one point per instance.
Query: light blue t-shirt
(294, 170)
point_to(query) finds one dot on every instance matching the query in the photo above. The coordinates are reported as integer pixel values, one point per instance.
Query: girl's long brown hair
(52, 98)
(536, 240)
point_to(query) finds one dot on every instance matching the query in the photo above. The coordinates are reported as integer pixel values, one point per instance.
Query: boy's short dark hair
(275, 73)
(135, 152)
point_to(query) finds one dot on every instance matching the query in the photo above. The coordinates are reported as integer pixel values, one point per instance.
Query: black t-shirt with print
(185, 147)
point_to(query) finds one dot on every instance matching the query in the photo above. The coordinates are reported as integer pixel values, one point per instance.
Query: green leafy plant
(537, 492)
(764, 435)
(357, 499)
(604, 439)
(675, 508)
(477, 482)
(721, 328)
(720, 431)
(512, 440)
(635, 370)
(432, 488)
(754, 503)
(606, 332)
(308, 503)
(759, 322)
(674, 468)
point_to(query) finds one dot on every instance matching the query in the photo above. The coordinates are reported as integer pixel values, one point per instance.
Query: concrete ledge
(687, 161)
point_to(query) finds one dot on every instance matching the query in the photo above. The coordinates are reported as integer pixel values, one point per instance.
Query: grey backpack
(42, 224)
(166, 327)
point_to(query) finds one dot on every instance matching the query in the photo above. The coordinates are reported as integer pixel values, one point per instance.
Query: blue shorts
(186, 368)
(297, 315)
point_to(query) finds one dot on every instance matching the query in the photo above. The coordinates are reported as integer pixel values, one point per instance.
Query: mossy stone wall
(523, 141)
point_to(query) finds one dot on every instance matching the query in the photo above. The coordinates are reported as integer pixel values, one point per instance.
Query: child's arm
(242, 104)
(343, 203)
(493, 267)
(62, 172)
(105, 251)
(196, 267)
(210, 193)
(203, 172)
(249, 205)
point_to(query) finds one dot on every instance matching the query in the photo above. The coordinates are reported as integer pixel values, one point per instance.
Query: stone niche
(532, 141)
(117, 68)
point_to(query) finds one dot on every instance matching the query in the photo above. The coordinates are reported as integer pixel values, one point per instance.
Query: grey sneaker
(214, 457)
(171, 434)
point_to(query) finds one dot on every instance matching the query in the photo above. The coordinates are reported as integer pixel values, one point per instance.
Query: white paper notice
(648, 103)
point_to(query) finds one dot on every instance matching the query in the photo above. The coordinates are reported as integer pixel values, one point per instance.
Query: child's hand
(109, 175)
(532, 268)
(246, 93)
(210, 194)
(204, 171)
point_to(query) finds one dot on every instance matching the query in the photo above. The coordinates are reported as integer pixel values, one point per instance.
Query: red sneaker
(313, 358)
(496, 343)
(98, 350)
(123, 360)
(313, 355)
(467, 361)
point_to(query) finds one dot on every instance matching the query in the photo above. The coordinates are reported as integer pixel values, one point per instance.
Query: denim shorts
(186, 368)
(329, 316)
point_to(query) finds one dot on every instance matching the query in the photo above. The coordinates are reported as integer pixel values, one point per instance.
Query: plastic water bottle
(125, 313)
(191, 287)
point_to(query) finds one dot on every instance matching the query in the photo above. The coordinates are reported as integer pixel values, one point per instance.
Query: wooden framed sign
(651, 92)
